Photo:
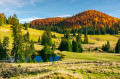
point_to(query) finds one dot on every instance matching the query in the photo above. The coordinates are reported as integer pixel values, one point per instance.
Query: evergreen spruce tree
(78, 38)
(117, 48)
(3, 48)
(107, 29)
(116, 30)
(94, 31)
(74, 33)
(65, 45)
(80, 49)
(85, 38)
(103, 31)
(15, 21)
(98, 31)
(1, 20)
(74, 46)
(9, 20)
(46, 37)
(68, 46)
(2, 55)
(32, 51)
(5, 44)
(39, 39)
(5, 20)
(53, 46)
(27, 37)
(26, 26)
(67, 34)
(18, 44)
(106, 47)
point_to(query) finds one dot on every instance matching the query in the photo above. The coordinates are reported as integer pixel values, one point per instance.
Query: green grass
(93, 65)
(5, 30)
(92, 56)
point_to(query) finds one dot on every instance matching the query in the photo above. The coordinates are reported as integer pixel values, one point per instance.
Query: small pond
(45, 58)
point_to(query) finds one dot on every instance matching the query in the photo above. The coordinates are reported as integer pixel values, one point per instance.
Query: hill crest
(86, 18)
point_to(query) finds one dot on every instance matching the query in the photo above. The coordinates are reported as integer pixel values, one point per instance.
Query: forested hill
(86, 18)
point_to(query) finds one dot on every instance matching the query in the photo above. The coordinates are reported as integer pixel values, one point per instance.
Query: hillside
(86, 18)
(47, 21)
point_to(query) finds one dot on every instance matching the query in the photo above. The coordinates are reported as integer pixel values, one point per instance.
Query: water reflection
(46, 58)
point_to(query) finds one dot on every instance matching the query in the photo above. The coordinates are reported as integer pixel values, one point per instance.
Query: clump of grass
(58, 76)
(8, 71)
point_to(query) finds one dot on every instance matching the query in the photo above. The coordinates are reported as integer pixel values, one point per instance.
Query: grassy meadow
(86, 65)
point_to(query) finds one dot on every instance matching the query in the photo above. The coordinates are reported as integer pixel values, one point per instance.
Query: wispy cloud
(28, 19)
(34, 18)
(18, 3)
(64, 16)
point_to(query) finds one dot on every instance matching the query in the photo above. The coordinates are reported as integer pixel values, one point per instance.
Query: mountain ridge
(85, 18)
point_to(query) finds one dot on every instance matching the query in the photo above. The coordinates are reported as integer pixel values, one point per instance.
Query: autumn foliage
(83, 19)
(46, 22)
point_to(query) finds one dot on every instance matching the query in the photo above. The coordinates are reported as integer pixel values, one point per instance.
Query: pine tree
(65, 45)
(5, 20)
(85, 38)
(1, 20)
(80, 49)
(67, 34)
(9, 20)
(116, 30)
(26, 26)
(74, 33)
(5, 44)
(2, 55)
(18, 44)
(74, 46)
(46, 37)
(53, 46)
(117, 48)
(3, 48)
(106, 47)
(15, 21)
(27, 37)
(32, 51)
(39, 39)
(78, 38)
(98, 31)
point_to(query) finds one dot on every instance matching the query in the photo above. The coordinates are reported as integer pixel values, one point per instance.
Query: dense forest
(96, 22)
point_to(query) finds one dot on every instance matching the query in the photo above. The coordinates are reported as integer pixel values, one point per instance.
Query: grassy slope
(5, 30)
(83, 65)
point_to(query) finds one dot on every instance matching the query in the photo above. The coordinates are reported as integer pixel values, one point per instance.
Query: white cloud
(34, 18)
(64, 16)
(18, 3)
(28, 19)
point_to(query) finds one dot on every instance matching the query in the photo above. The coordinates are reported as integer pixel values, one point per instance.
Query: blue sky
(28, 10)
